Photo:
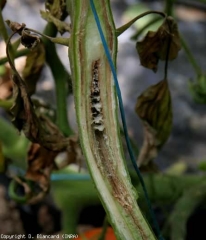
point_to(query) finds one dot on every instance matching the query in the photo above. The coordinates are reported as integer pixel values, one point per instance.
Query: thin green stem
(150, 23)
(3, 31)
(190, 56)
(4, 34)
(59, 40)
(169, 7)
(61, 78)
(20, 53)
(123, 28)
(104, 229)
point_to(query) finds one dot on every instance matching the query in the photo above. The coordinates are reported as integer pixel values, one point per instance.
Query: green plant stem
(59, 40)
(123, 28)
(6, 104)
(5, 35)
(14, 144)
(3, 30)
(102, 148)
(104, 229)
(169, 7)
(19, 53)
(61, 78)
(149, 24)
(190, 56)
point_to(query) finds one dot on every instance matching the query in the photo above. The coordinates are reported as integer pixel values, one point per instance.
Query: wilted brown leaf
(73, 154)
(162, 44)
(15, 26)
(34, 64)
(38, 129)
(40, 165)
(155, 110)
(29, 40)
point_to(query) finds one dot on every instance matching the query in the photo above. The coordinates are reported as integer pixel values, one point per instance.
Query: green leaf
(198, 89)
(155, 110)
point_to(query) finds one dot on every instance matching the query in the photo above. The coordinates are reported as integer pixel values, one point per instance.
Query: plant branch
(123, 28)
(61, 77)
(19, 53)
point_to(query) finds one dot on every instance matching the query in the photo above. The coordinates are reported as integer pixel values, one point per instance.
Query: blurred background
(187, 142)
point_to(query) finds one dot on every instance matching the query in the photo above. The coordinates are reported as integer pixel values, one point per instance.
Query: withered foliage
(56, 12)
(27, 39)
(34, 64)
(47, 140)
(155, 110)
(162, 44)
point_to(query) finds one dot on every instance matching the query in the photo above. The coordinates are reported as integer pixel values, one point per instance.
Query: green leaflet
(198, 89)
(155, 110)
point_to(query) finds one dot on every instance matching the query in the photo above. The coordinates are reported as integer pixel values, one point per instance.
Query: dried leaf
(29, 40)
(162, 44)
(15, 26)
(40, 165)
(34, 64)
(73, 154)
(154, 109)
(38, 129)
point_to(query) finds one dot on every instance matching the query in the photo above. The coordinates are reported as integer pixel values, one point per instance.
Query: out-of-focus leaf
(198, 89)
(57, 8)
(38, 129)
(34, 64)
(155, 110)
(2, 4)
(56, 12)
(162, 44)
(61, 26)
(2, 160)
(40, 165)
(189, 200)
(202, 166)
(6, 84)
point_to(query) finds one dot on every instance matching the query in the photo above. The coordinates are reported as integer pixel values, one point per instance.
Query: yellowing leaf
(34, 64)
(154, 109)
(162, 44)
